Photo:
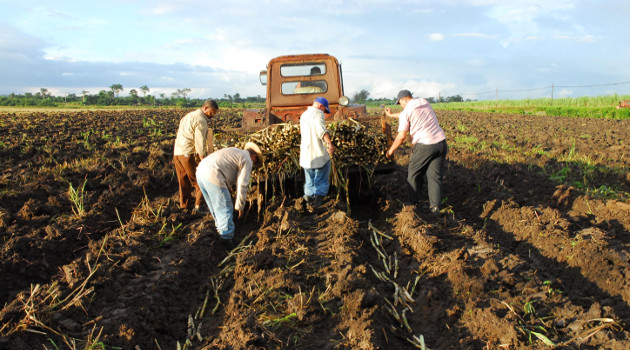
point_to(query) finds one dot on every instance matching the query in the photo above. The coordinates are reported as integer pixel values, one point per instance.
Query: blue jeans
(316, 180)
(219, 201)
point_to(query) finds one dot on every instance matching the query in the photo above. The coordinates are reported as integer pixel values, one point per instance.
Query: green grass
(466, 139)
(581, 107)
(583, 101)
(77, 198)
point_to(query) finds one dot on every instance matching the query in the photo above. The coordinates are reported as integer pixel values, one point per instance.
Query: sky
(480, 49)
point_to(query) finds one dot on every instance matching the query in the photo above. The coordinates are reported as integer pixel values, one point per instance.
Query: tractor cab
(293, 82)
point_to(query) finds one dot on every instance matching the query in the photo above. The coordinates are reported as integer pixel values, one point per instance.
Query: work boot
(199, 211)
(318, 201)
(228, 244)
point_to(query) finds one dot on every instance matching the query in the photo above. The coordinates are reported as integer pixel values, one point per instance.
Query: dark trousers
(186, 166)
(429, 161)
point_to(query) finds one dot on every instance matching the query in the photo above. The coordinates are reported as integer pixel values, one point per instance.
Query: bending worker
(220, 171)
(190, 148)
(428, 157)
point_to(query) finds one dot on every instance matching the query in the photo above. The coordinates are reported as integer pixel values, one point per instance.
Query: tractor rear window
(303, 69)
(304, 87)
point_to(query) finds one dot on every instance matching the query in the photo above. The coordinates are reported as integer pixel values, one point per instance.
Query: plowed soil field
(531, 251)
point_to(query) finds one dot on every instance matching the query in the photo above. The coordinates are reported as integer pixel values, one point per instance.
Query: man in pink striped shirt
(428, 157)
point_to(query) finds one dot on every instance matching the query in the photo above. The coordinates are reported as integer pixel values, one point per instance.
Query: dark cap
(401, 94)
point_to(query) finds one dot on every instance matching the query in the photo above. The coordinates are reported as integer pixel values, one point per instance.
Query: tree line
(178, 98)
(363, 97)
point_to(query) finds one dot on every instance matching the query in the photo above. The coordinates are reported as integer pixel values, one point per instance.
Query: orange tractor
(293, 82)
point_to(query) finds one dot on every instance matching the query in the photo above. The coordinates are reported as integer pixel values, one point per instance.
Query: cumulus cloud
(523, 18)
(475, 35)
(582, 38)
(436, 36)
(31, 68)
(17, 44)
(216, 48)
(427, 88)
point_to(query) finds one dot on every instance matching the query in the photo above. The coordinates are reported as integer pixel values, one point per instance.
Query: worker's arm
(388, 112)
(329, 145)
(400, 138)
(322, 133)
(242, 185)
(200, 136)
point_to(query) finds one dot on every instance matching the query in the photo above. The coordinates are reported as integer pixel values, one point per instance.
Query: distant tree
(361, 96)
(144, 90)
(84, 92)
(162, 98)
(133, 92)
(44, 92)
(183, 92)
(116, 88)
(237, 97)
(105, 98)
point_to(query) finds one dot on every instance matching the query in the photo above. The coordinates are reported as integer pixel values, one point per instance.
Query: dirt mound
(531, 249)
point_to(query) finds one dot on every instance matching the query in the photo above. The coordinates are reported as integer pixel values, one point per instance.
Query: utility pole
(552, 94)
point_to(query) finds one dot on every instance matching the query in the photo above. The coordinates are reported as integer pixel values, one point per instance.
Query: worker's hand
(388, 112)
(389, 153)
(330, 148)
(240, 214)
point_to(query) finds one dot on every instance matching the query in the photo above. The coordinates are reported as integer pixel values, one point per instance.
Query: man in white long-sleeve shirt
(190, 148)
(315, 150)
(220, 171)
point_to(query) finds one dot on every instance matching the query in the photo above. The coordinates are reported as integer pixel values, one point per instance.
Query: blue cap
(324, 102)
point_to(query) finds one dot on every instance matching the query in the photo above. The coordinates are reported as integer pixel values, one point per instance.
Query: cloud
(162, 9)
(427, 88)
(17, 44)
(31, 68)
(525, 19)
(219, 47)
(436, 37)
(184, 43)
(582, 38)
(423, 11)
(564, 93)
(475, 35)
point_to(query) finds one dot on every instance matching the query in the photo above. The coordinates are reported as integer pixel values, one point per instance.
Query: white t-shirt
(313, 153)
